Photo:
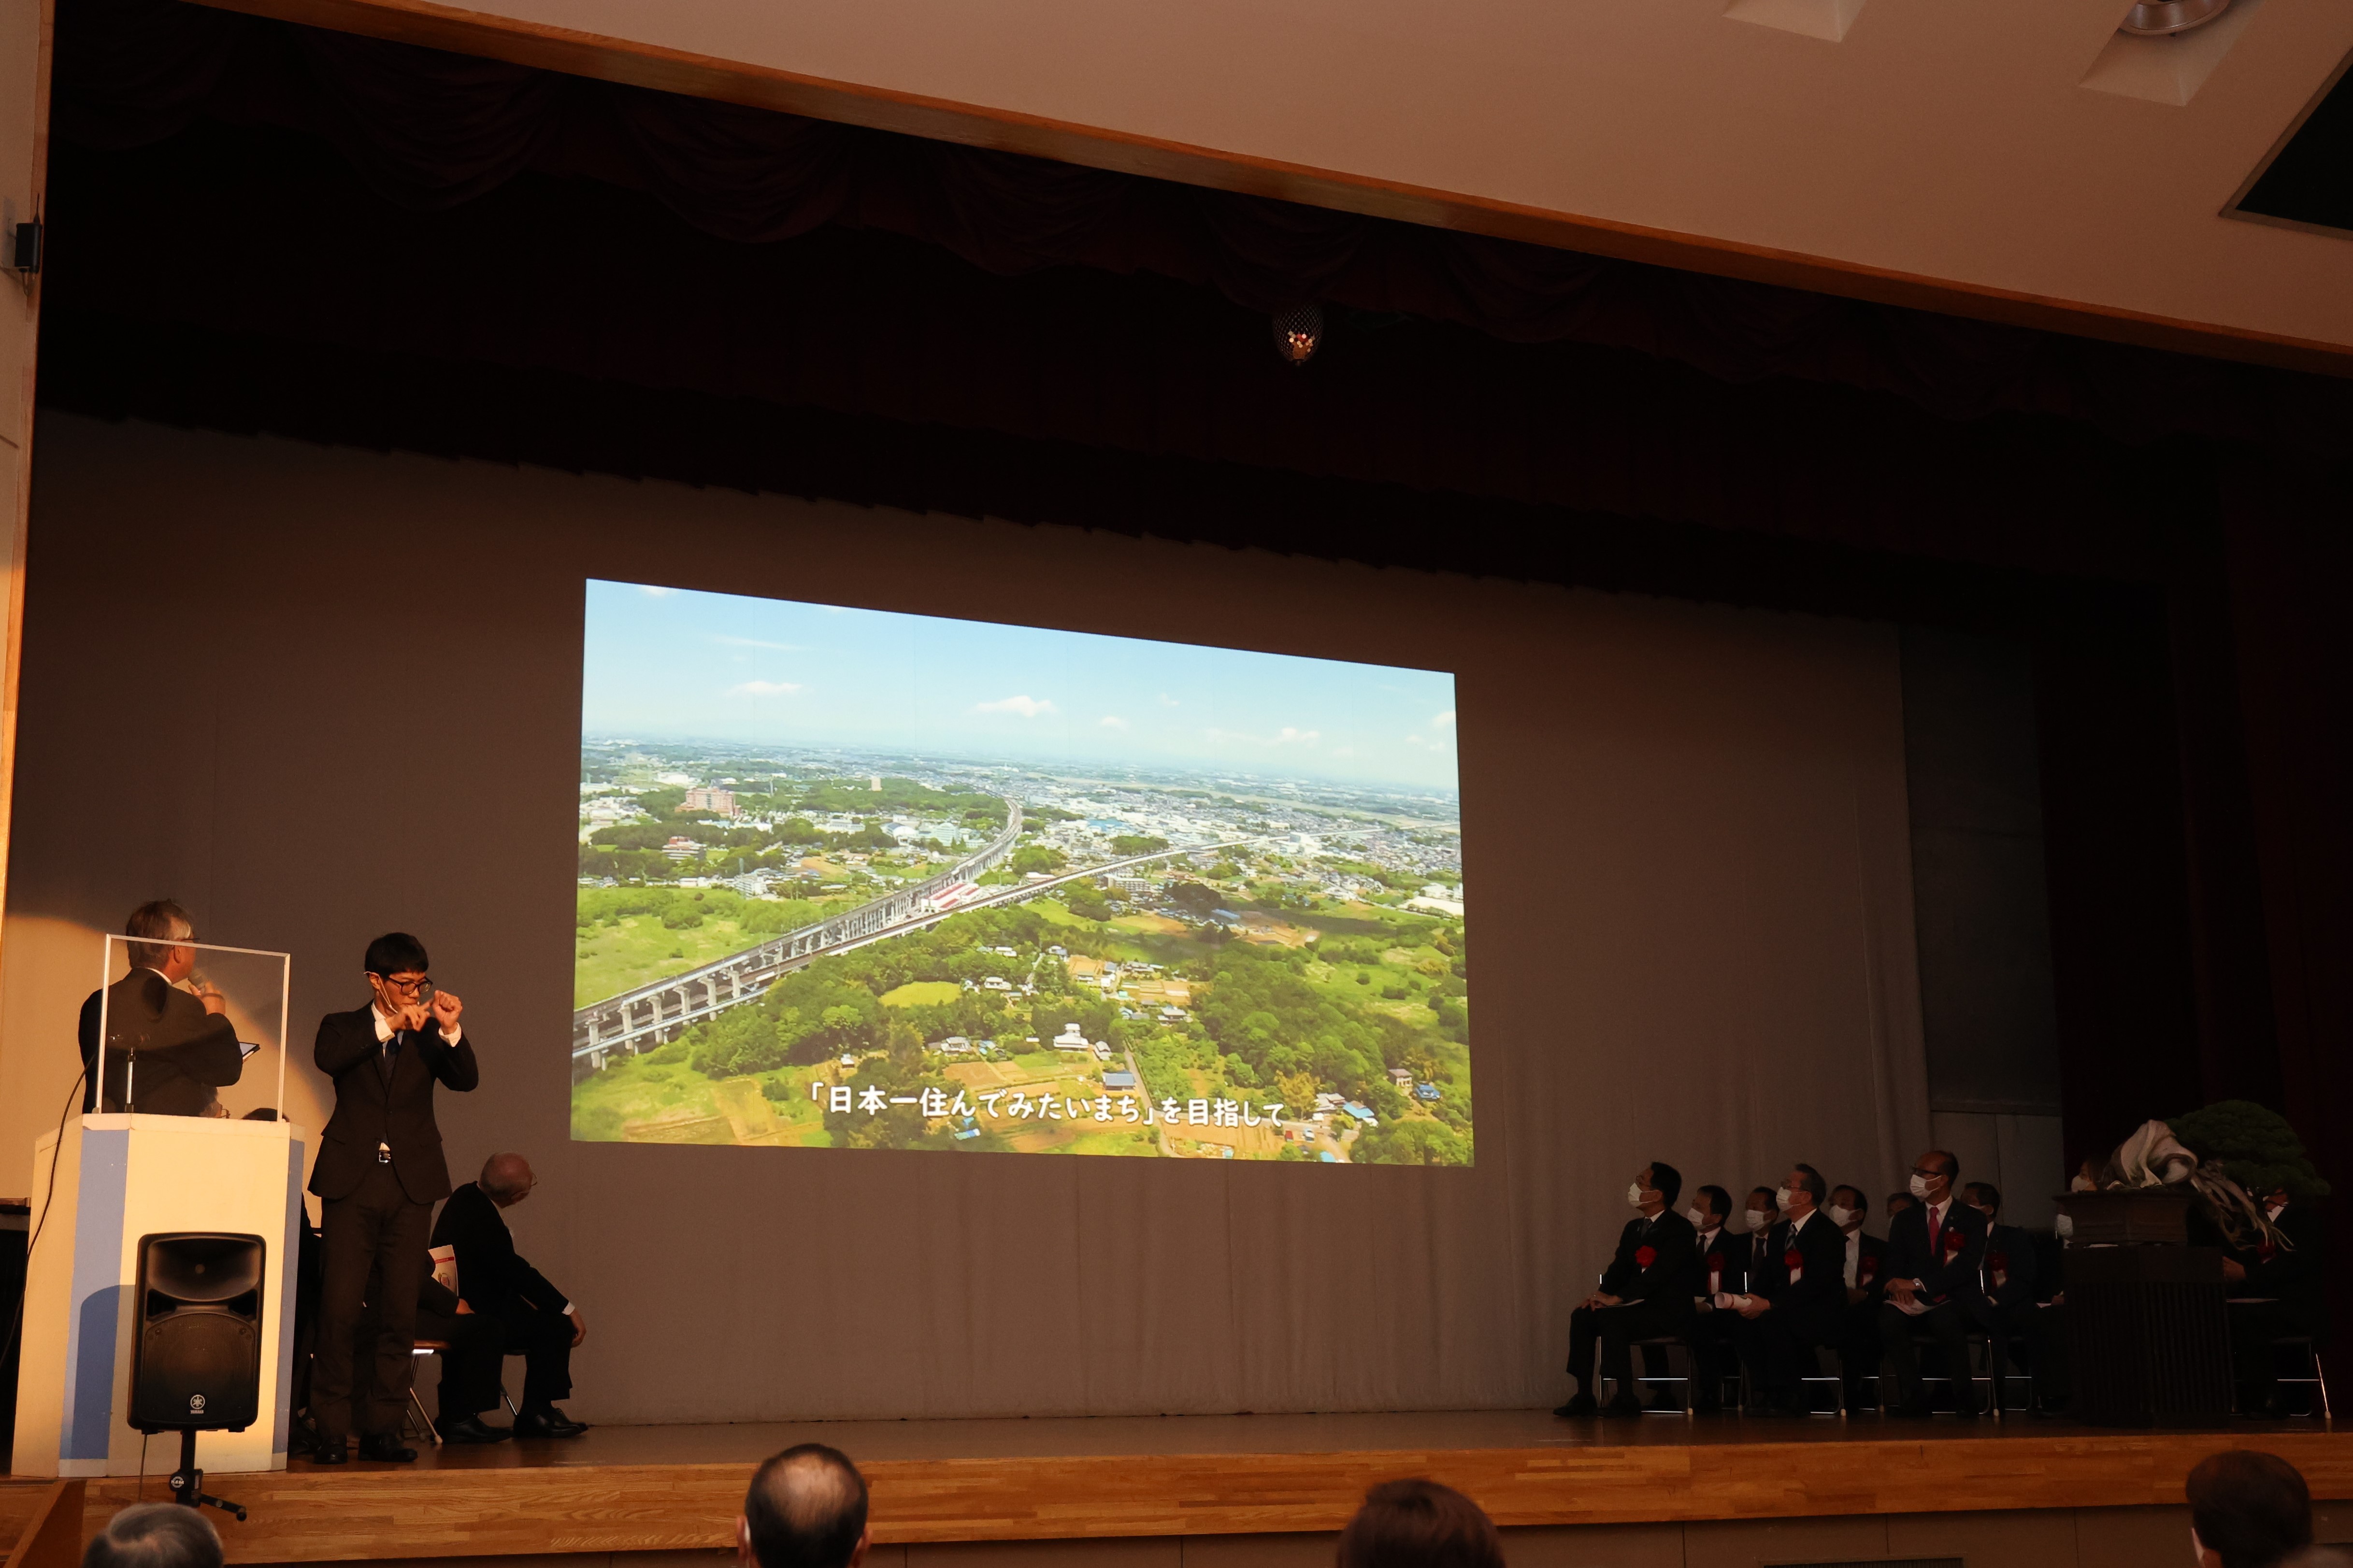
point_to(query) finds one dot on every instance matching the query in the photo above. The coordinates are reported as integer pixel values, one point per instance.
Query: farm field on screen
(856, 879)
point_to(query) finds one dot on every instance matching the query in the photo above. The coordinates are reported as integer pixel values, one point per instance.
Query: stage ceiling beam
(579, 53)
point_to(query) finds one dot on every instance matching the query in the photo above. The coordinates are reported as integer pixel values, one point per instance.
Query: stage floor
(622, 1489)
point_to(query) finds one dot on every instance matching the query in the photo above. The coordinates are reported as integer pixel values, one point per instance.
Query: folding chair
(2319, 1378)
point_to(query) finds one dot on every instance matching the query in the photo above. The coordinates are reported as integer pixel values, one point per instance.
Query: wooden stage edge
(679, 1487)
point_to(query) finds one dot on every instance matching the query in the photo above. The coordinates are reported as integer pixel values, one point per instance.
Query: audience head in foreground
(2247, 1510)
(155, 1535)
(1419, 1524)
(807, 1509)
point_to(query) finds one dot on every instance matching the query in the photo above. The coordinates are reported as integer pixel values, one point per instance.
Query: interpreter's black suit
(2282, 1296)
(1858, 1342)
(1808, 1298)
(379, 1171)
(1947, 1273)
(183, 1052)
(504, 1290)
(1656, 1296)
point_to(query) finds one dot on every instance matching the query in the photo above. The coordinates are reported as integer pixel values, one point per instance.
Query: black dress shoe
(471, 1429)
(548, 1422)
(332, 1453)
(1580, 1404)
(385, 1447)
(1622, 1407)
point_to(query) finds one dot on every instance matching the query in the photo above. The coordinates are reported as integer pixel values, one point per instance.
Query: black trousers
(1780, 1353)
(1616, 1329)
(1716, 1356)
(1859, 1353)
(472, 1366)
(2001, 1325)
(1948, 1324)
(372, 1248)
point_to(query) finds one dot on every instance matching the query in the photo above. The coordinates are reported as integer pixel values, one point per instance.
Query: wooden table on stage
(2149, 1335)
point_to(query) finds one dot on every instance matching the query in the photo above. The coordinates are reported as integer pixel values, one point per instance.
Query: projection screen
(857, 879)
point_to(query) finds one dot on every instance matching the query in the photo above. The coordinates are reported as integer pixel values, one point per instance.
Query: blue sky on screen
(672, 663)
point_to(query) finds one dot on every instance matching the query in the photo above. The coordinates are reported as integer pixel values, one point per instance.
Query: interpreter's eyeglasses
(1929, 1175)
(422, 983)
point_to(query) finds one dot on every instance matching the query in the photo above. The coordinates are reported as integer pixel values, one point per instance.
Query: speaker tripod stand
(187, 1482)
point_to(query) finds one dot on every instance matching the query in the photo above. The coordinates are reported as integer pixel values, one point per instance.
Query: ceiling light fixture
(2158, 18)
(1298, 333)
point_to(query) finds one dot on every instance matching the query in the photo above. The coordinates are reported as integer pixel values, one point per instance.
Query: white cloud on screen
(767, 687)
(1112, 722)
(1026, 706)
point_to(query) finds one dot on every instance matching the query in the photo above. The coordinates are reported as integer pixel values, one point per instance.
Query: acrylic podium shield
(187, 1135)
(183, 1025)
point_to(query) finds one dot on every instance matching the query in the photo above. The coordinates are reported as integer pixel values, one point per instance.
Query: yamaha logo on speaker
(195, 1405)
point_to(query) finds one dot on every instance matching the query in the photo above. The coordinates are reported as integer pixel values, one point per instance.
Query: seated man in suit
(1647, 1291)
(535, 1319)
(1933, 1253)
(1792, 1308)
(2008, 1286)
(1723, 1270)
(2280, 1292)
(1866, 1266)
(169, 1049)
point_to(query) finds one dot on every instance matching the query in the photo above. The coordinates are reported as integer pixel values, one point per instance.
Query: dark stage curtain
(428, 130)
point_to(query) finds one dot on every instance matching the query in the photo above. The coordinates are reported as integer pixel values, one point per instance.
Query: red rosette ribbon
(1864, 1275)
(1645, 1256)
(1997, 1265)
(1795, 1262)
(2267, 1251)
(1955, 1242)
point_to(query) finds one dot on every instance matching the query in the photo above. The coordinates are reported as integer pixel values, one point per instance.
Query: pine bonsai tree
(2256, 1146)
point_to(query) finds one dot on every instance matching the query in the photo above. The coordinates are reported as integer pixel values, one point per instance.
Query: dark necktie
(1935, 1230)
(391, 1056)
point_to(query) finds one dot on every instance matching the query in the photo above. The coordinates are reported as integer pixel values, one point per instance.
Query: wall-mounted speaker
(195, 1364)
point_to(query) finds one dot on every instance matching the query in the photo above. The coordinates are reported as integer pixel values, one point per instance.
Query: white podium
(118, 1178)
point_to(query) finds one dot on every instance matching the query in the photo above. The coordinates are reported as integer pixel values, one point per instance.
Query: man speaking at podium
(379, 1173)
(185, 1046)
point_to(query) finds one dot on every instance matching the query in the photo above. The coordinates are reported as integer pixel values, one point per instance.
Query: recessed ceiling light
(2155, 18)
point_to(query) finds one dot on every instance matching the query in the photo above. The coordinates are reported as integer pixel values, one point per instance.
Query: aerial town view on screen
(1144, 930)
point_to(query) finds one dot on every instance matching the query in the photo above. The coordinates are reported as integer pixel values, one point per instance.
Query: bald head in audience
(154, 1535)
(807, 1509)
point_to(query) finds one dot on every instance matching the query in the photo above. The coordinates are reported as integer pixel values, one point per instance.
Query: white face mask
(2080, 1185)
(1919, 1187)
(1841, 1216)
(1782, 1198)
(1752, 1219)
(1697, 1216)
(1634, 1194)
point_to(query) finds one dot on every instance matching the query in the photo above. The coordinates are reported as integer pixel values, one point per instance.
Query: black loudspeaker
(195, 1364)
